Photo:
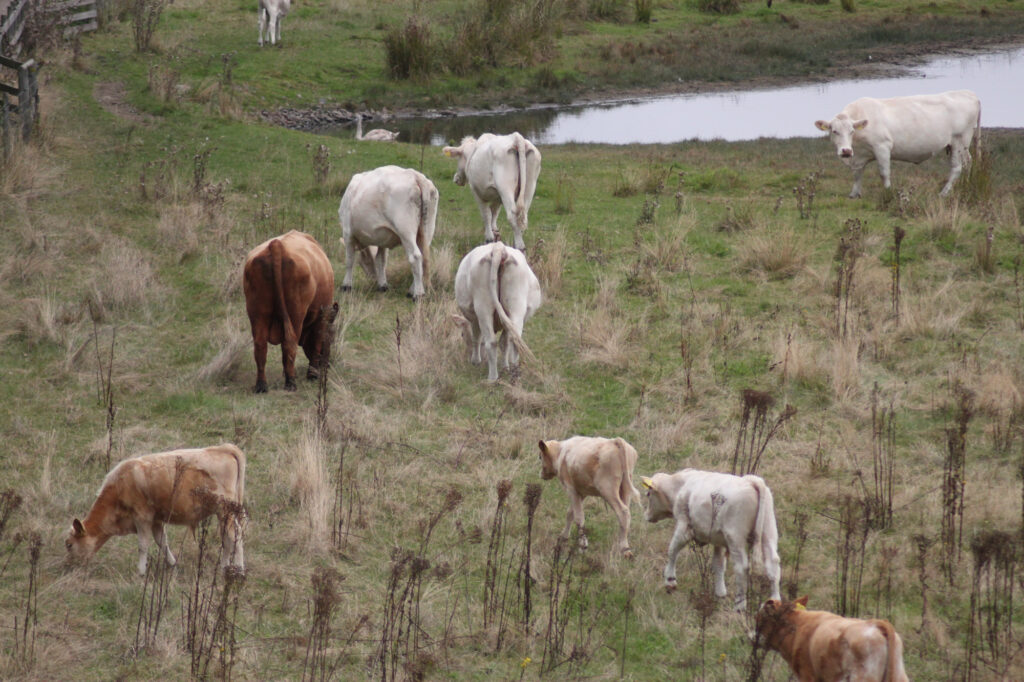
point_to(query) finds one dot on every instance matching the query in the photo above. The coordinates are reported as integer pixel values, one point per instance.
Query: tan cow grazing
(142, 494)
(289, 286)
(501, 170)
(823, 647)
(381, 209)
(593, 467)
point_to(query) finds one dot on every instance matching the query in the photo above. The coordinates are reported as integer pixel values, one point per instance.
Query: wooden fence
(27, 107)
(74, 16)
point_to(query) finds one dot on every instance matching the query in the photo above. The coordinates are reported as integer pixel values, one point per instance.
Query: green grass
(621, 299)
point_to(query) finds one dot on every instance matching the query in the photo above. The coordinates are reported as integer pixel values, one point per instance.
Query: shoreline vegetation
(711, 303)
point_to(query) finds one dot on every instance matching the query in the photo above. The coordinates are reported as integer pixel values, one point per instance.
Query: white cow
(495, 290)
(271, 13)
(906, 129)
(501, 170)
(730, 512)
(593, 467)
(381, 209)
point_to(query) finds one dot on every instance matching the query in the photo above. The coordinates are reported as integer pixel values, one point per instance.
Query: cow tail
(276, 258)
(894, 671)
(976, 139)
(766, 533)
(521, 152)
(627, 491)
(428, 219)
(497, 263)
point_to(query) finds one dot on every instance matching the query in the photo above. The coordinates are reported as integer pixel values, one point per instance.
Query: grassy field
(382, 547)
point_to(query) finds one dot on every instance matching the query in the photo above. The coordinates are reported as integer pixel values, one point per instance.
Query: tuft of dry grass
(547, 260)
(778, 253)
(124, 278)
(309, 483)
(944, 217)
(229, 363)
(844, 366)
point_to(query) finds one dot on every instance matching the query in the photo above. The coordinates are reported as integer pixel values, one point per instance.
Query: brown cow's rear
(824, 647)
(289, 287)
(182, 487)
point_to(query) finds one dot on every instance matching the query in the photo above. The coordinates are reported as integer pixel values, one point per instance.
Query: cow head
(771, 621)
(548, 457)
(659, 506)
(79, 544)
(462, 153)
(841, 130)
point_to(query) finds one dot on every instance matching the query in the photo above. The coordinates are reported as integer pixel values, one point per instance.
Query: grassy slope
(621, 298)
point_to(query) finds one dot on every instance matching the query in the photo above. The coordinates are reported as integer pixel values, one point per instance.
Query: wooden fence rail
(75, 16)
(27, 107)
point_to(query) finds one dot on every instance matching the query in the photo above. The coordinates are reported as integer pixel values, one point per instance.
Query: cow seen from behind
(732, 513)
(824, 647)
(384, 208)
(501, 170)
(181, 487)
(496, 291)
(289, 288)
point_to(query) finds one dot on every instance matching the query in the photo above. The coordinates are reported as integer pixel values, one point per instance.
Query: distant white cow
(495, 290)
(501, 170)
(906, 129)
(381, 209)
(271, 13)
(593, 467)
(730, 512)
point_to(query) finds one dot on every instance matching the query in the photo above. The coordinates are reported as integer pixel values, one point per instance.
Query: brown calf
(181, 487)
(289, 287)
(593, 467)
(824, 647)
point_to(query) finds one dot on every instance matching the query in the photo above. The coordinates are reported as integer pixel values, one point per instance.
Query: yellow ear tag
(799, 607)
(647, 482)
(448, 152)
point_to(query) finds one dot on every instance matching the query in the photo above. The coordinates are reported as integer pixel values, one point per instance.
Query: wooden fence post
(28, 98)
(5, 125)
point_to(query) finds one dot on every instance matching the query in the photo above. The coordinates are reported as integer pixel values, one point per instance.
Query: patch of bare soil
(112, 97)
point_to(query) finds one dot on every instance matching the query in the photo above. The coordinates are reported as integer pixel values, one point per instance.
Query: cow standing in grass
(914, 129)
(182, 487)
(731, 513)
(501, 170)
(381, 209)
(271, 12)
(593, 467)
(496, 291)
(289, 286)
(824, 647)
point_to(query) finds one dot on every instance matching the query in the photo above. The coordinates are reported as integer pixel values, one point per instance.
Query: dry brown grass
(124, 278)
(234, 357)
(546, 257)
(778, 252)
(305, 472)
(944, 216)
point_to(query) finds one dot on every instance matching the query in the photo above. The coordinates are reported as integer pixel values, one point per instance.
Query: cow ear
(861, 124)
(822, 125)
(647, 482)
(77, 529)
(542, 446)
(452, 151)
(802, 601)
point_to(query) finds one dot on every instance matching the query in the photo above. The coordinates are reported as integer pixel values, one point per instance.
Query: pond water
(996, 77)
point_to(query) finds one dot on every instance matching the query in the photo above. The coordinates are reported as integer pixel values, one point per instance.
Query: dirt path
(112, 97)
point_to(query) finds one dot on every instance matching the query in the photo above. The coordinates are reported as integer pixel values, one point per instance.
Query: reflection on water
(996, 77)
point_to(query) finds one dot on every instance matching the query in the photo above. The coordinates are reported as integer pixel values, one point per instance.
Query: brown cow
(593, 467)
(181, 487)
(823, 647)
(289, 287)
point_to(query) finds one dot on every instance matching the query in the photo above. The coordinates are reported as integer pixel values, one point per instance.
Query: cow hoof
(289, 385)
(628, 554)
(346, 287)
(670, 587)
(312, 374)
(261, 387)
(382, 287)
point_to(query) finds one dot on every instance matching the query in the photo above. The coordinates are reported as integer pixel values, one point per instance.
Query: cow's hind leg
(288, 352)
(741, 570)
(575, 513)
(718, 570)
(231, 541)
(259, 351)
(610, 493)
(381, 265)
(263, 24)
(959, 156)
(680, 537)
